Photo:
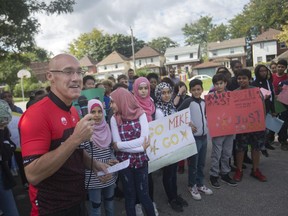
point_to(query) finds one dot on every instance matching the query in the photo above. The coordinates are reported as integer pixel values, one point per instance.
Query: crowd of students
(121, 131)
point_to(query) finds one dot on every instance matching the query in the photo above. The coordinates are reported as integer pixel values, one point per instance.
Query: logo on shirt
(73, 119)
(64, 121)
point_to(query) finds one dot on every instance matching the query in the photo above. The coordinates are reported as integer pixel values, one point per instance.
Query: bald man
(50, 137)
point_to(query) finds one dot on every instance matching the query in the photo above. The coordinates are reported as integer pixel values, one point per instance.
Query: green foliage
(142, 72)
(283, 37)
(29, 85)
(98, 46)
(18, 24)
(218, 33)
(258, 14)
(198, 32)
(162, 43)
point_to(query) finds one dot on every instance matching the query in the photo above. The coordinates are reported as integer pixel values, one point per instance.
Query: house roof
(182, 50)
(113, 58)
(87, 61)
(146, 52)
(282, 56)
(238, 42)
(39, 69)
(207, 65)
(269, 35)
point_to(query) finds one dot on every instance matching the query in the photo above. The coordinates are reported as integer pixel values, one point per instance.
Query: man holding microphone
(51, 134)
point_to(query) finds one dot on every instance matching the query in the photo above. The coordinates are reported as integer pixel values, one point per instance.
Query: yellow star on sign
(153, 147)
(184, 134)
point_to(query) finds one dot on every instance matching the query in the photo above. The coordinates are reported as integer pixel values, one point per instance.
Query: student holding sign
(221, 145)
(129, 127)
(165, 107)
(255, 139)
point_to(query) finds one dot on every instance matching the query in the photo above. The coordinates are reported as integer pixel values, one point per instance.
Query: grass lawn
(207, 83)
(19, 99)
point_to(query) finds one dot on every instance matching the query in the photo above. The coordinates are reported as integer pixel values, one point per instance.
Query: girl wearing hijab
(165, 107)
(141, 90)
(7, 202)
(130, 132)
(101, 151)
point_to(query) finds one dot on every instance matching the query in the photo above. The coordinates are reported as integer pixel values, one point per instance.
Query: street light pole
(133, 54)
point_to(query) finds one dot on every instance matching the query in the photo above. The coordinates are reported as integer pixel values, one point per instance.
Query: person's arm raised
(49, 163)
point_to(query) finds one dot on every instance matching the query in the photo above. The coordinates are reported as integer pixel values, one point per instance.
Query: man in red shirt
(51, 133)
(280, 76)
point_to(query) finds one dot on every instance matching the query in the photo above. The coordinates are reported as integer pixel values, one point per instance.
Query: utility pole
(133, 54)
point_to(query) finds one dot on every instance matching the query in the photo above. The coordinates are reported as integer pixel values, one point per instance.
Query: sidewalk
(249, 198)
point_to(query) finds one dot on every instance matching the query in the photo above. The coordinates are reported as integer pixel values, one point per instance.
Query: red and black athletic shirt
(43, 127)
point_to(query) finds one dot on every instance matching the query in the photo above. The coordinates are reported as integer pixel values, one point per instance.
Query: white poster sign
(171, 140)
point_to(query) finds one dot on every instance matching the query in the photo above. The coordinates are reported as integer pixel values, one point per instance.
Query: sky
(149, 19)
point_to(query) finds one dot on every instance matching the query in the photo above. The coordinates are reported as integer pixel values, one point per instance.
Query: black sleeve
(185, 104)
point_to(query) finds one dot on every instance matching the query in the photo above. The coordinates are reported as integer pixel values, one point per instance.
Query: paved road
(249, 198)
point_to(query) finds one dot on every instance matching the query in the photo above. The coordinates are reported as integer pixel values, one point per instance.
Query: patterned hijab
(5, 113)
(166, 108)
(128, 107)
(146, 103)
(101, 136)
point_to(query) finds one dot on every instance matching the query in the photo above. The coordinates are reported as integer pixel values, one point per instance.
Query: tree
(99, 45)
(218, 33)
(18, 26)
(283, 36)
(258, 14)
(198, 32)
(162, 43)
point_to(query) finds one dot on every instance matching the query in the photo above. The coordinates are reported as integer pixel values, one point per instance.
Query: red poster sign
(240, 111)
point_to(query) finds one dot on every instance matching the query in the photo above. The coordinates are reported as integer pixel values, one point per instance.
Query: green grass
(19, 99)
(207, 83)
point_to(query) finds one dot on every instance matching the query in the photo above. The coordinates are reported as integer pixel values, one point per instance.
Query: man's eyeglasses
(70, 71)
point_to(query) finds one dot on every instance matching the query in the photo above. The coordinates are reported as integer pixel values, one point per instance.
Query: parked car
(200, 77)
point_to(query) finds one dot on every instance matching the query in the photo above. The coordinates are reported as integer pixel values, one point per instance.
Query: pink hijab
(146, 103)
(128, 107)
(101, 136)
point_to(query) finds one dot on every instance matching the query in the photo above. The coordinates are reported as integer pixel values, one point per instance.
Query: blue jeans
(7, 202)
(135, 183)
(196, 163)
(95, 196)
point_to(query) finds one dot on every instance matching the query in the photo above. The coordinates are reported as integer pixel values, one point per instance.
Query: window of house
(214, 53)
(231, 50)
(151, 60)
(282, 45)
(270, 58)
(176, 57)
(186, 69)
(262, 45)
(140, 62)
(191, 55)
(105, 67)
(116, 66)
(259, 59)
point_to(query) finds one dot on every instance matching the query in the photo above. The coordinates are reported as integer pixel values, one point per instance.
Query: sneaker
(238, 175)
(214, 182)
(155, 209)
(138, 210)
(194, 192)
(258, 175)
(226, 178)
(182, 202)
(205, 190)
(265, 153)
(175, 206)
(269, 146)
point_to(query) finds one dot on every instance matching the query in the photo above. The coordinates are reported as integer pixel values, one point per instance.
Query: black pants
(77, 210)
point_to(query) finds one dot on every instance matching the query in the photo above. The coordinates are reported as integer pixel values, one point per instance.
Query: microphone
(83, 104)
